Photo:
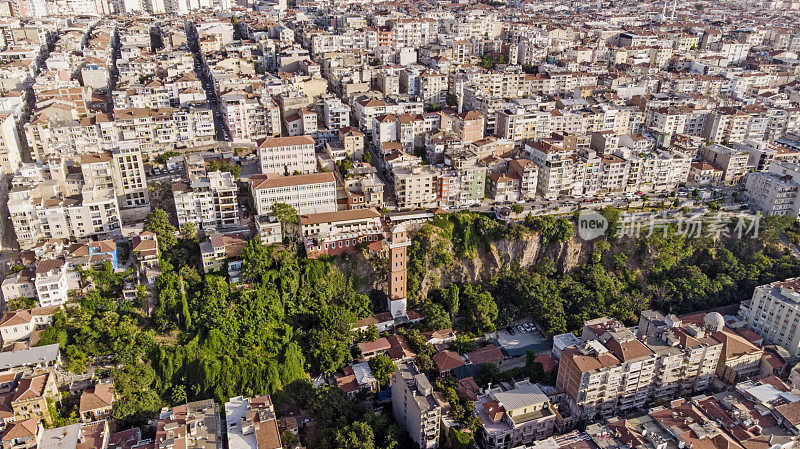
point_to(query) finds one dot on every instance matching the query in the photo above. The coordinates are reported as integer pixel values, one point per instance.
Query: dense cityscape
(493, 224)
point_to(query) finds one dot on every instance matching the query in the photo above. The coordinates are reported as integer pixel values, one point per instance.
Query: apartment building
(335, 114)
(417, 407)
(287, 155)
(352, 141)
(556, 168)
(515, 417)
(129, 180)
(776, 191)
(367, 109)
(415, 187)
(468, 126)
(153, 129)
(615, 370)
(10, 156)
(309, 194)
(413, 33)
(51, 282)
(774, 312)
(208, 203)
(363, 187)
(42, 211)
(339, 232)
(30, 398)
(200, 419)
(732, 161)
(252, 423)
(726, 125)
(249, 116)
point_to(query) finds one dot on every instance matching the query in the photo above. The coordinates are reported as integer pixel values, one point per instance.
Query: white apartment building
(614, 370)
(43, 212)
(10, 157)
(732, 161)
(415, 187)
(309, 194)
(366, 110)
(155, 129)
(416, 407)
(727, 125)
(130, 182)
(335, 114)
(208, 203)
(250, 117)
(776, 191)
(774, 313)
(51, 282)
(280, 155)
(414, 33)
(556, 168)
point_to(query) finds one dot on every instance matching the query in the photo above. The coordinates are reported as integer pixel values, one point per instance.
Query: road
(201, 69)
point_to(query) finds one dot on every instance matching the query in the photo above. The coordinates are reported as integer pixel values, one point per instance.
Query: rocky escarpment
(488, 259)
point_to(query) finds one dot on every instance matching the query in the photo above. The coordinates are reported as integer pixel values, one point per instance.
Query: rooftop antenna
(664, 11)
(674, 7)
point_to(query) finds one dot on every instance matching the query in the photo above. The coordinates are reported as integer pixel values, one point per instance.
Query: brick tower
(398, 243)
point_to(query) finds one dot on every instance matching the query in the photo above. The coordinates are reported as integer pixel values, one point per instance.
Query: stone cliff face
(488, 260)
(525, 251)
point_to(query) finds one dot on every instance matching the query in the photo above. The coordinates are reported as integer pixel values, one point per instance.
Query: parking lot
(517, 342)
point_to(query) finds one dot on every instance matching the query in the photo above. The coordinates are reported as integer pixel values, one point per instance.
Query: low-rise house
(400, 350)
(96, 402)
(356, 378)
(440, 337)
(145, 251)
(26, 434)
(19, 285)
(194, 425)
(19, 324)
(370, 349)
(29, 399)
(269, 229)
(252, 423)
(37, 357)
(487, 354)
(93, 435)
(220, 249)
(93, 254)
(446, 361)
(515, 417)
(335, 233)
(704, 174)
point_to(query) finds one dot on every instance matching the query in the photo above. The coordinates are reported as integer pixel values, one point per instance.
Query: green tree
(189, 231)
(157, 222)
(76, 359)
(224, 166)
(358, 435)
(451, 300)
(464, 343)
(382, 368)
(371, 333)
(478, 309)
(460, 439)
(436, 318)
(286, 214)
(177, 394)
(517, 209)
